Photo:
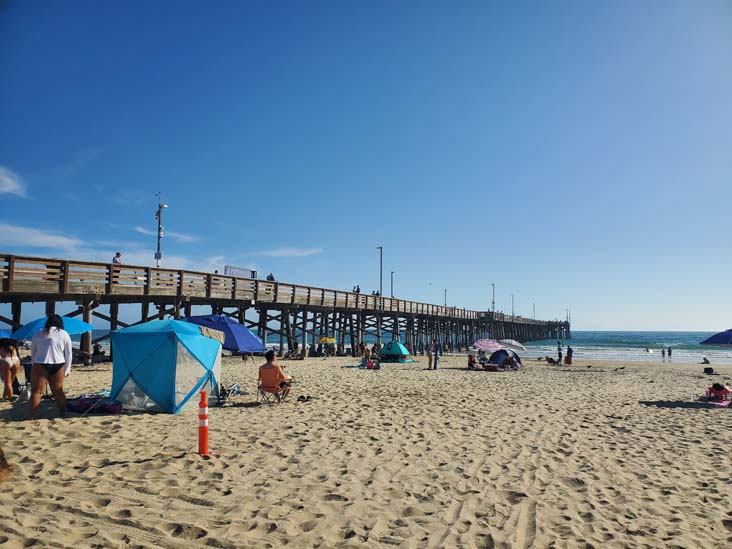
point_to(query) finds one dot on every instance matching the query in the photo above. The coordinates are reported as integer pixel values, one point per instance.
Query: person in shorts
(51, 355)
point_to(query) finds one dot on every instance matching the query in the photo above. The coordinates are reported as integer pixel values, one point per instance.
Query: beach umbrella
(487, 345)
(237, 337)
(722, 338)
(4, 333)
(511, 344)
(327, 340)
(71, 325)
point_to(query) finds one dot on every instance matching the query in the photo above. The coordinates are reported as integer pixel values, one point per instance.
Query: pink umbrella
(487, 345)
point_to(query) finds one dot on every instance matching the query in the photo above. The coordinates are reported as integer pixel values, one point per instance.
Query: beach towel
(96, 405)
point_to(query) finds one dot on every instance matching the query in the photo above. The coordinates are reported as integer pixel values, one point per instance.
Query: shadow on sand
(679, 404)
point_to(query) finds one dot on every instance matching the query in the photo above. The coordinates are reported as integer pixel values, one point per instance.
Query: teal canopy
(161, 365)
(394, 351)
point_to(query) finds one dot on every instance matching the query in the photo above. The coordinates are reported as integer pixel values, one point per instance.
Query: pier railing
(69, 278)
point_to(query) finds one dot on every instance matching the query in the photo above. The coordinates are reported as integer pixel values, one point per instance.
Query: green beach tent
(394, 351)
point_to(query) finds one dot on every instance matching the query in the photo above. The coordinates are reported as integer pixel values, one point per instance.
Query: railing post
(11, 274)
(65, 273)
(146, 289)
(108, 283)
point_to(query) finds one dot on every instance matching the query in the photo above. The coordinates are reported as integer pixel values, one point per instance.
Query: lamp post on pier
(511, 307)
(392, 284)
(159, 217)
(533, 305)
(446, 297)
(493, 301)
(381, 292)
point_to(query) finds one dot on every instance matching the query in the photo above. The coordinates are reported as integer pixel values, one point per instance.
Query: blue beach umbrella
(237, 337)
(71, 325)
(722, 338)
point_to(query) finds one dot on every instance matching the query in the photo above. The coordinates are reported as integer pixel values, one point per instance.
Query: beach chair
(268, 387)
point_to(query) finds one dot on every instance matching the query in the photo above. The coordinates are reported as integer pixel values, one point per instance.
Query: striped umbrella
(487, 345)
(511, 344)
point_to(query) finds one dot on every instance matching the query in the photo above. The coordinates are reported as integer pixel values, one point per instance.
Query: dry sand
(565, 457)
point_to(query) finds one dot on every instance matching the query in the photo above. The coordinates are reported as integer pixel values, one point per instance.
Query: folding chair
(268, 387)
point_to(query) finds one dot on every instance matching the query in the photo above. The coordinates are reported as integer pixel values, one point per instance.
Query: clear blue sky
(577, 154)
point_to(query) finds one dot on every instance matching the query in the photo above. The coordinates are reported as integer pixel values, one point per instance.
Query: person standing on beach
(9, 366)
(51, 355)
(429, 355)
(663, 353)
(669, 353)
(559, 352)
(437, 348)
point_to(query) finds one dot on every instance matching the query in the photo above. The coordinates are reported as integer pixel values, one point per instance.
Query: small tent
(500, 356)
(394, 351)
(160, 366)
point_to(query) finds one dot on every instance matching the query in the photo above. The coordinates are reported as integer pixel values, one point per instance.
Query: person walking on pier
(117, 259)
(51, 355)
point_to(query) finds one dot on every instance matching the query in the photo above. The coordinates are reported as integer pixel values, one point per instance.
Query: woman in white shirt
(51, 354)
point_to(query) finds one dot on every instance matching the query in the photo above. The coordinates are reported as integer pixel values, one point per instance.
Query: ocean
(600, 345)
(635, 346)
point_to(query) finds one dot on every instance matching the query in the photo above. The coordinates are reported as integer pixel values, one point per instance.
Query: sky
(575, 154)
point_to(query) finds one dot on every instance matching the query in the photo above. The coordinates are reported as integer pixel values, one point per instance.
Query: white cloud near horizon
(11, 183)
(288, 251)
(178, 237)
(15, 235)
(70, 247)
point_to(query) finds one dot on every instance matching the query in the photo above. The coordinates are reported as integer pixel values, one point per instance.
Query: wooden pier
(284, 314)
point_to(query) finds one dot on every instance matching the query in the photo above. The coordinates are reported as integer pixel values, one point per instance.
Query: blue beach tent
(237, 337)
(394, 351)
(162, 365)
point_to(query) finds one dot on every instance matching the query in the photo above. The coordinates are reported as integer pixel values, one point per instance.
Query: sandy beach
(405, 457)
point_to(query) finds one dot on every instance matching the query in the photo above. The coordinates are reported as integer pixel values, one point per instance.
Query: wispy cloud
(60, 245)
(11, 183)
(288, 252)
(143, 230)
(178, 237)
(78, 162)
(15, 235)
(133, 197)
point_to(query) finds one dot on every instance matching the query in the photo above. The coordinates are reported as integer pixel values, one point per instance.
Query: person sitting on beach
(471, 361)
(705, 360)
(9, 366)
(283, 380)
